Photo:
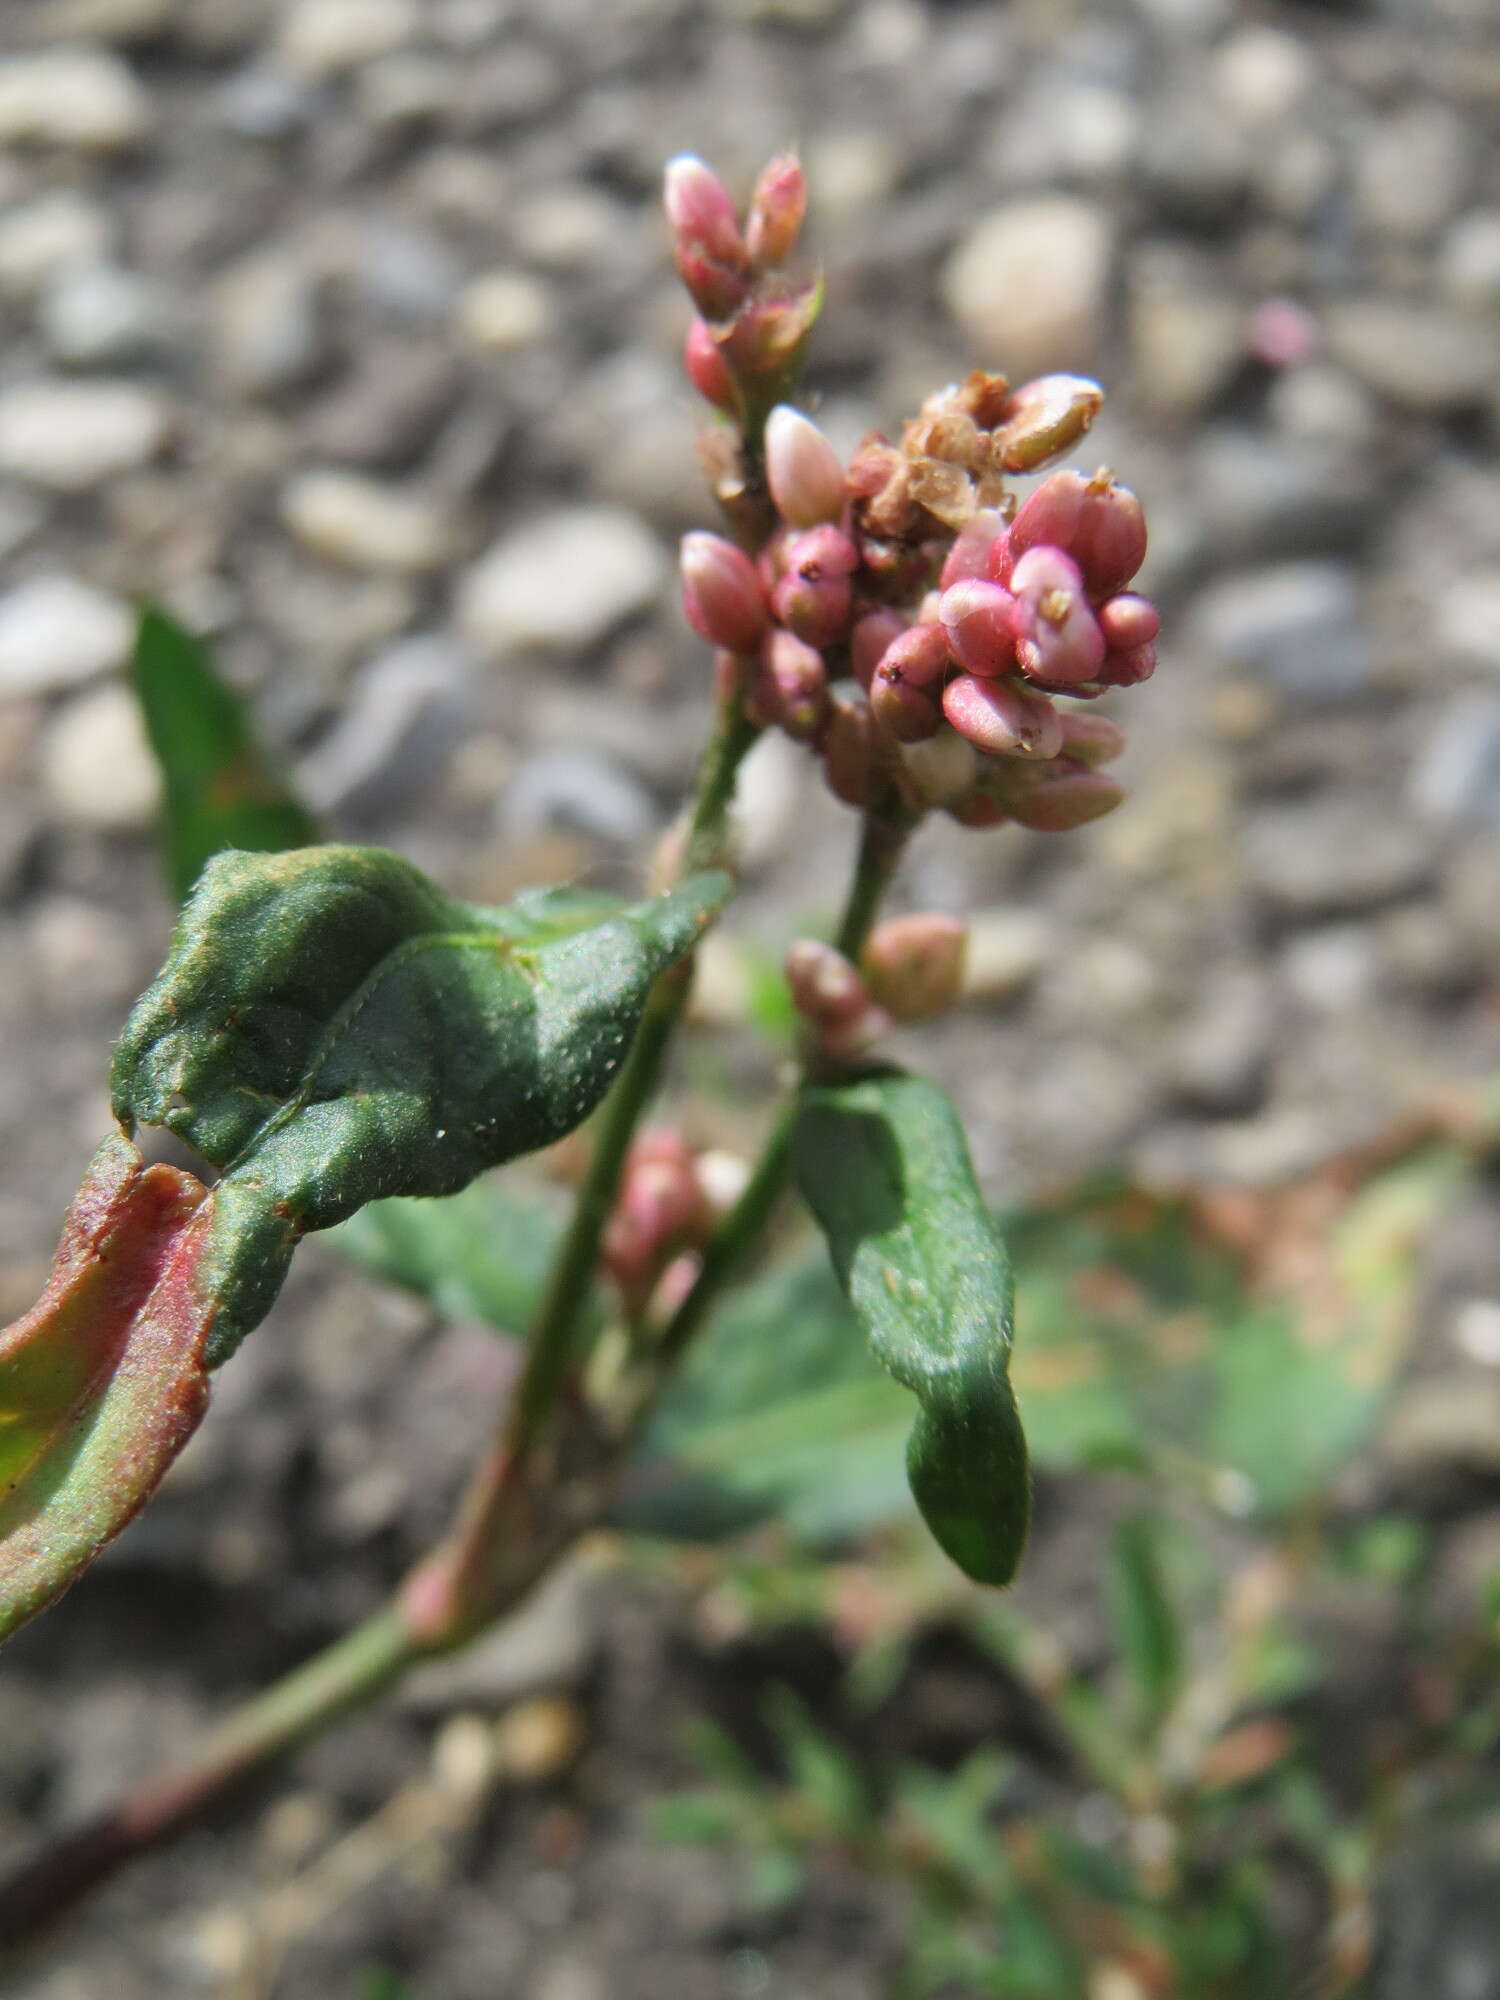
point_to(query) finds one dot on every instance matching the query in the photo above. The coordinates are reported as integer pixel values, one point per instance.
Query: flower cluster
(669, 1202)
(909, 616)
(911, 969)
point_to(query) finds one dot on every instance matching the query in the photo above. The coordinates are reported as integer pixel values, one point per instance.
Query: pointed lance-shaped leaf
(102, 1383)
(331, 1028)
(882, 1162)
(219, 788)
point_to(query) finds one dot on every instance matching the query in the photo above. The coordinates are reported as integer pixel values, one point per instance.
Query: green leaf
(780, 1410)
(330, 1029)
(883, 1165)
(1147, 1631)
(103, 1382)
(219, 788)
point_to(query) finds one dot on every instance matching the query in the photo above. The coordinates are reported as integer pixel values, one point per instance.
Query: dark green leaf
(883, 1164)
(330, 1028)
(219, 788)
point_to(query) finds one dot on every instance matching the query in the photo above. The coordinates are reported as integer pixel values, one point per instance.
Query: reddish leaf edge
(103, 1382)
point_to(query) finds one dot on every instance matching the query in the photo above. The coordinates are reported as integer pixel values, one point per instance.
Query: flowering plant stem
(550, 1478)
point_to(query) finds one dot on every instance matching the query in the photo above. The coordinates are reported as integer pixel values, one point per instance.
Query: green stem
(882, 842)
(550, 1350)
(345, 1676)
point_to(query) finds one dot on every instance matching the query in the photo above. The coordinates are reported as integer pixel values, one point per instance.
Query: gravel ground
(347, 327)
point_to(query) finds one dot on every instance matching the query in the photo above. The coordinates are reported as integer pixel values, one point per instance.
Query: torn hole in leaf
(159, 1146)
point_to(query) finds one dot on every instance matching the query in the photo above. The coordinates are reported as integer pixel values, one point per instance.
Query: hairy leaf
(330, 1028)
(219, 788)
(103, 1382)
(883, 1164)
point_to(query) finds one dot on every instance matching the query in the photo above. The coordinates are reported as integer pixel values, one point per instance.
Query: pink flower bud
(1003, 718)
(776, 210)
(1128, 621)
(918, 655)
(1128, 666)
(660, 1211)
(832, 998)
(702, 213)
(793, 686)
(815, 595)
(978, 618)
(854, 757)
(1096, 521)
(1002, 558)
(978, 810)
(868, 641)
(721, 593)
(802, 469)
(909, 712)
(914, 966)
(1057, 635)
(1045, 418)
(1091, 739)
(938, 771)
(767, 338)
(706, 368)
(970, 553)
(1069, 799)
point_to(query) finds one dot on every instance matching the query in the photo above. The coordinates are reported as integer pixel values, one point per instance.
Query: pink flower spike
(802, 470)
(1097, 521)
(701, 211)
(822, 551)
(1057, 635)
(776, 210)
(970, 553)
(815, 595)
(868, 641)
(1001, 559)
(721, 593)
(707, 369)
(1071, 799)
(978, 618)
(1003, 718)
(1050, 514)
(1091, 739)
(1128, 620)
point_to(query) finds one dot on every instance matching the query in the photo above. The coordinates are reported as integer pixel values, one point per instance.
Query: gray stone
(563, 582)
(21, 515)
(346, 517)
(504, 309)
(405, 275)
(1468, 267)
(1029, 283)
(1444, 1425)
(579, 790)
(1220, 1057)
(267, 323)
(81, 98)
(1457, 773)
(70, 437)
(1334, 856)
(96, 765)
(1468, 617)
(1410, 171)
(48, 234)
(1187, 333)
(1262, 74)
(401, 720)
(1332, 969)
(56, 631)
(387, 413)
(1194, 162)
(326, 38)
(98, 316)
(1298, 624)
(1425, 356)
(262, 103)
